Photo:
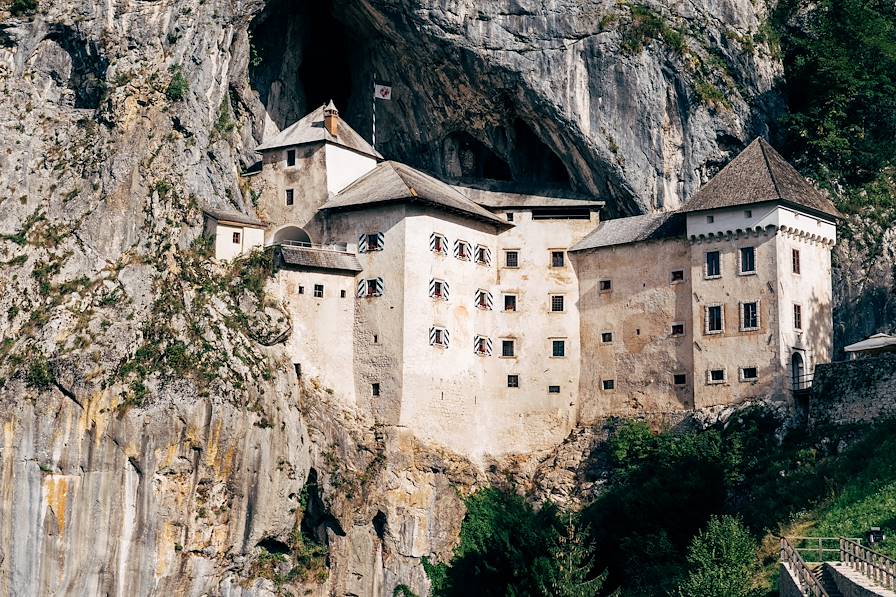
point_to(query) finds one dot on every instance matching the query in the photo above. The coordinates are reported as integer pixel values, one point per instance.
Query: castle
(495, 322)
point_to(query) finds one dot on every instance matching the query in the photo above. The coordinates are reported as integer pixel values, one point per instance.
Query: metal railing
(872, 564)
(338, 247)
(802, 383)
(808, 582)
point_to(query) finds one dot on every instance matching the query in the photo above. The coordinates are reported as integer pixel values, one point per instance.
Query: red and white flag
(382, 91)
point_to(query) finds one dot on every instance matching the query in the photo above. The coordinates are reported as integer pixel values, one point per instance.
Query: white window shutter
(432, 287)
(381, 240)
(445, 290)
(362, 288)
(432, 242)
(488, 300)
(456, 248)
(362, 243)
(432, 336)
(488, 346)
(445, 338)
(380, 287)
(488, 256)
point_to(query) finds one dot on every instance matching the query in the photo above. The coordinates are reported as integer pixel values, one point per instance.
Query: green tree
(721, 561)
(569, 569)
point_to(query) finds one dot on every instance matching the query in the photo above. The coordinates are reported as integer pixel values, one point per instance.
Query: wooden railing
(804, 575)
(875, 566)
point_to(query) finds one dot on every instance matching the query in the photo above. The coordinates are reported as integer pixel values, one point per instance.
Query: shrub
(39, 376)
(178, 86)
(722, 561)
(22, 7)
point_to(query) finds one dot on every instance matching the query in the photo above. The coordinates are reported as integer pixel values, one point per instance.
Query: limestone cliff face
(154, 437)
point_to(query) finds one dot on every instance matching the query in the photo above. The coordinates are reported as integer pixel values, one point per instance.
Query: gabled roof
(234, 217)
(314, 258)
(622, 231)
(394, 181)
(311, 129)
(756, 175)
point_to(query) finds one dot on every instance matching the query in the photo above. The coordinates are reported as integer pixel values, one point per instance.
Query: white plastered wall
(344, 166)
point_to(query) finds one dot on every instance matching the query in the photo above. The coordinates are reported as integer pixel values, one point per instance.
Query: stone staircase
(824, 577)
(835, 564)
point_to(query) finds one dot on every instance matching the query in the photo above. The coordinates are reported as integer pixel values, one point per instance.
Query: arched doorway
(291, 235)
(798, 371)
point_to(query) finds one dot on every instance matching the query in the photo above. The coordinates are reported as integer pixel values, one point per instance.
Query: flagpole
(373, 95)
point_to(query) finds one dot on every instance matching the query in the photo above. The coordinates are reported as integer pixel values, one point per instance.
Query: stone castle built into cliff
(495, 322)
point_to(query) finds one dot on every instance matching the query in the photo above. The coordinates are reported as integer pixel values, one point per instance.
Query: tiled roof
(235, 217)
(319, 258)
(311, 129)
(501, 199)
(756, 175)
(633, 229)
(394, 181)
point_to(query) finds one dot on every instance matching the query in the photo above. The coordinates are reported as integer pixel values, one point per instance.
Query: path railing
(802, 383)
(808, 583)
(338, 247)
(872, 564)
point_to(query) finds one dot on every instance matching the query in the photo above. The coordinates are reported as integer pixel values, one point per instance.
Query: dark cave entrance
(463, 156)
(300, 59)
(535, 161)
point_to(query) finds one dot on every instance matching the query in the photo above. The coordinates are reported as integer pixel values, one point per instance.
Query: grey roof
(756, 175)
(500, 199)
(394, 181)
(235, 217)
(311, 129)
(633, 229)
(320, 258)
(874, 342)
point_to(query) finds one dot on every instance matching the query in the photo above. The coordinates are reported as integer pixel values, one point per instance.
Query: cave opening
(464, 156)
(535, 161)
(88, 69)
(300, 58)
(316, 519)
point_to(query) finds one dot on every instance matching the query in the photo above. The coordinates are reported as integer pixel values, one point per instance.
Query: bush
(178, 86)
(39, 376)
(722, 561)
(22, 7)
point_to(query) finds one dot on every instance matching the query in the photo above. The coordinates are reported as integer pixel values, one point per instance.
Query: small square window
(509, 216)
(462, 250)
(710, 219)
(679, 379)
(553, 389)
(713, 264)
(375, 389)
(236, 238)
(318, 291)
(510, 302)
(795, 257)
(341, 294)
(678, 329)
(558, 259)
(557, 303)
(483, 255)
(609, 384)
(558, 348)
(748, 213)
(749, 374)
(373, 242)
(291, 157)
(605, 285)
(511, 259)
(290, 196)
(716, 376)
(606, 337)
(507, 348)
(513, 381)
(747, 260)
(677, 275)
(438, 244)
(301, 290)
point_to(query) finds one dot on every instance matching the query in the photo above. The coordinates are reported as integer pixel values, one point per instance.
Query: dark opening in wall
(536, 162)
(300, 58)
(316, 518)
(379, 525)
(88, 73)
(272, 545)
(466, 157)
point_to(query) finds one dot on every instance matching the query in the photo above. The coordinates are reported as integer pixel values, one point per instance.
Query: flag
(382, 91)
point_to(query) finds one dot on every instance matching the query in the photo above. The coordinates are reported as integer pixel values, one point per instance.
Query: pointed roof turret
(311, 129)
(759, 174)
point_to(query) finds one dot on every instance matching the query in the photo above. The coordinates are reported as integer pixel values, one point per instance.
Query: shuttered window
(483, 255)
(438, 289)
(482, 345)
(484, 300)
(370, 288)
(462, 250)
(438, 243)
(439, 336)
(371, 242)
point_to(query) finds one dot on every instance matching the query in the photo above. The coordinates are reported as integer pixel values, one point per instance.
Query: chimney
(331, 118)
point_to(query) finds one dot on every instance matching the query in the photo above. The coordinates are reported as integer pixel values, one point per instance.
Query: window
(748, 213)
(462, 250)
(484, 300)
(370, 288)
(511, 259)
(513, 381)
(797, 317)
(376, 339)
(318, 291)
(553, 389)
(438, 337)
(713, 265)
(605, 285)
(483, 255)
(438, 243)
(341, 294)
(510, 302)
(298, 368)
(509, 216)
(677, 276)
(371, 242)
(710, 219)
(290, 196)
(558, 259)
(606, 337)
(749, 316)
(438, 289)
(557, 303)
(301, 290)
(375, 389)
(747, 260)
(795, 258)
(678, 329)
(715, 319)
(482, 345)
(236, 238)
(679, 379)
(714, 376)
(609, 384)
(507, 347)
(291, 157)
(558, 348)
(749, 374)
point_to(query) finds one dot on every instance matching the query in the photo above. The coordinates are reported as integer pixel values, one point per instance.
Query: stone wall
(853, 391)
(851, 583)
(788, 585)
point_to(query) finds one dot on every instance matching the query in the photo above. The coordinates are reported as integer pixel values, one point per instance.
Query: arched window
(291, 235)
(798, 371)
